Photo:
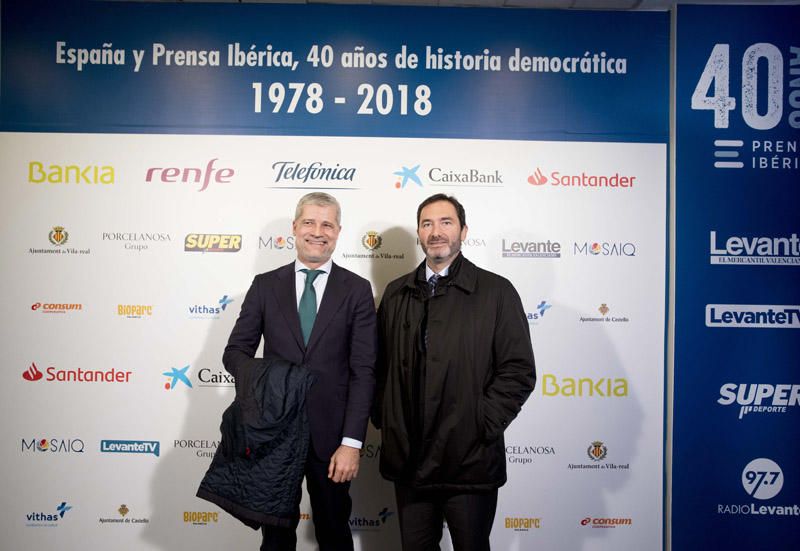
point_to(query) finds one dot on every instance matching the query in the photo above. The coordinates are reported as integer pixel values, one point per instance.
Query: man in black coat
(455, 365)
(314, 313)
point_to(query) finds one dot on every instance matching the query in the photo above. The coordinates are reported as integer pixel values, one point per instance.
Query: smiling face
(316, 232)
(440, 234)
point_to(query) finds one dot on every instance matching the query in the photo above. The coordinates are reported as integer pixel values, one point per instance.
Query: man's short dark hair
(462, 215)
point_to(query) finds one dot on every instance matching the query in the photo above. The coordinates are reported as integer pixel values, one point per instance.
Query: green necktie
(308, 303)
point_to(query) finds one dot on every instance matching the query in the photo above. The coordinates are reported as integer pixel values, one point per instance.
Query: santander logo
(32, 373)
(537, 178)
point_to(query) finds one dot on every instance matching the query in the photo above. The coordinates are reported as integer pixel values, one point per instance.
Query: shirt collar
(429, 272)
(325, 267)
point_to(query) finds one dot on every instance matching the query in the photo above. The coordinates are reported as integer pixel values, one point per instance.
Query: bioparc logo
(755, 250)
(597, 452)
(761, 398)
(371, 242)
(212, 243)
(49, 520)
(200, 518)
(449, 177)
(59, 237)
(362, 523)
(525, 454)
(581, 180)
(52, 445)
(762, 480)
(190, 177)
(522, 524)
(209, 311)
(135, 311)
(123, 518)
(79, 375)
(604, 317)
(276, 242)
(131, 446)
(296, 175)
(538, 314)
(606, 522)
(757, 316)
(56, 307)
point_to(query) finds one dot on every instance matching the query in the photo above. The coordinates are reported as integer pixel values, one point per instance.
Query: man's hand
(344, 464)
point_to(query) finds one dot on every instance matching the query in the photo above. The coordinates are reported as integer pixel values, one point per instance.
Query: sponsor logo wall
(135, 240)
(737, 387)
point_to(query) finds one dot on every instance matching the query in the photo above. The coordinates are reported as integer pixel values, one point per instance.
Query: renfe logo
(194, 175)
(769, 316)
(781, 251)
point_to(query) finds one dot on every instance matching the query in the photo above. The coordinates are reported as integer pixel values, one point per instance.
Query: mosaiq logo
(276, 242)
(190, 177)
(603, 248)
(755, 250)
(762, 481)
(759, 398)
(53, 445)
(581, 180)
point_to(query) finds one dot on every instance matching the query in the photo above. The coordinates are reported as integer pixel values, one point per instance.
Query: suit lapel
(286, 295)
(335, 292)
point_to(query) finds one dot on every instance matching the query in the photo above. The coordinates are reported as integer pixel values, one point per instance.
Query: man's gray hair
(319, 199)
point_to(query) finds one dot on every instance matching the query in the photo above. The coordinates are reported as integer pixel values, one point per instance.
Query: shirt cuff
(352, 442)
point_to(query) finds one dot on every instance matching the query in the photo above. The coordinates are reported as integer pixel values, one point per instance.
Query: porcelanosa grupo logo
(197, 178)
(298, 175)
(526, 454)
(136, 241)
(198, 447)
(762, 480)
(757, 316)
(759, 398)
(581, 180)
(78, 375)
(755, 250)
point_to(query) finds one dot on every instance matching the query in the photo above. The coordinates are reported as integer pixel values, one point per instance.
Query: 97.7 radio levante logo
(768, 98)
(762, 479)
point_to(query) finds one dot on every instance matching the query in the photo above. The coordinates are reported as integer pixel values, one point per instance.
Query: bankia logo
(209, 311)
(755, 250)
(372, 523)
(276, 242)
(757, 316)
(176, 376)
(320, 175)
(597, 453)
(581, 180)
(212, 243)
(530, 249)
(56, 307)
(136, 241)
(92, 175)
(125, 518)
(78, 375)
(584, 387)
(604, 248)
(535, 316)
(59, 237)
(197, 178)
(131, 446)
(763, 398)
(49, 520)
(52, 445)
(762, 479)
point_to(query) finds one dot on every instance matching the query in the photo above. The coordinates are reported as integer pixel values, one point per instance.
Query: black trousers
(469, 518)
(330, 511)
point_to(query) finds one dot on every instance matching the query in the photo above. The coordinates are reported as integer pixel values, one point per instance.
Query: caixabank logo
(598, 454)
(48, 520)
(756, 316)
(123, 517)
(79, 375)
(582, 180)
(449, 176)
(754, 250)
(762, 481)
(761, 399)
(360, 523)
(52, 445)
(584, 387)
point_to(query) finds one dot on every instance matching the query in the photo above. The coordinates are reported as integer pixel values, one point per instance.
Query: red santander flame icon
(537, 178)
(32, 373)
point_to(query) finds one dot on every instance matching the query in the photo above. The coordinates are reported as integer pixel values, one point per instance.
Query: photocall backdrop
(152, 156)
(736, 482)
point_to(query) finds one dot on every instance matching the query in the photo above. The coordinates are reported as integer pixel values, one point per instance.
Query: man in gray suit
(313, 312)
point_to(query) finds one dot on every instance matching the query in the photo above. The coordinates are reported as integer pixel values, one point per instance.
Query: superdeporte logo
(191, 177)
(762, 479)
(131, 446)
(760, 250)
(582, 179)
(760, 316)
(212, 243)
(759, 397)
